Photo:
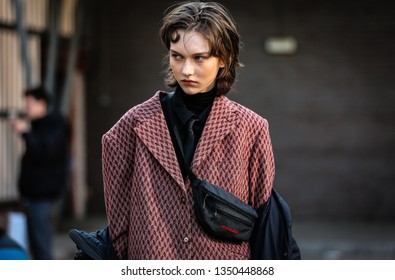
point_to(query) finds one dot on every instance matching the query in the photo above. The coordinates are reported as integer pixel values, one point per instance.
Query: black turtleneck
(186, 106)
(197, 103)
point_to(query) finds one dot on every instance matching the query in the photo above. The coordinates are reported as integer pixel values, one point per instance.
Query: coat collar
(153, 131)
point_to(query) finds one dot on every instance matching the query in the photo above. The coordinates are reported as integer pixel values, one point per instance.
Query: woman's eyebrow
(194, 54)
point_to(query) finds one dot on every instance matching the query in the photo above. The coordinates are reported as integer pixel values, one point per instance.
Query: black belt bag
(221, 214)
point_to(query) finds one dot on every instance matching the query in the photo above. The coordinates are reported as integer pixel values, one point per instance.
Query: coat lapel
(221, 121)
(154, 133)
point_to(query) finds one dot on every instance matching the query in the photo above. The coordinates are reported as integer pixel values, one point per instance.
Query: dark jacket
(272, 238)
(45, 163)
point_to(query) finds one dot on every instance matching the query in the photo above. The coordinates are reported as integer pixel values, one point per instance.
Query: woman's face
(192, 64)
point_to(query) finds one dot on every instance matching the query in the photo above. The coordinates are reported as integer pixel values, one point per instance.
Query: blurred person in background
(44, 168)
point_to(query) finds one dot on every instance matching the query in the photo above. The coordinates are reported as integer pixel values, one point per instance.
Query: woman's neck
(200, 101)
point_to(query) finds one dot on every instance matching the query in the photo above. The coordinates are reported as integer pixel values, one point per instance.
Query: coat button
(186, 239)
(183, 200)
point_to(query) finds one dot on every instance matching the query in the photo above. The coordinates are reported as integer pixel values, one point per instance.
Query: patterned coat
(148, 205)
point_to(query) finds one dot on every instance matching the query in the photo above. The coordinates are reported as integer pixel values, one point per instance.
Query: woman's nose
(187, 68)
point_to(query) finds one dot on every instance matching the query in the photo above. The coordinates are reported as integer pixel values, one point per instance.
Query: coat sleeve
(117, 165)
(261, 167)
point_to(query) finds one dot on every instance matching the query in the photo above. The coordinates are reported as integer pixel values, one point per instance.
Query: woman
(148, 194)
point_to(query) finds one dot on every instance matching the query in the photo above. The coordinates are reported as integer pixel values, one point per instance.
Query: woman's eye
(176, 56)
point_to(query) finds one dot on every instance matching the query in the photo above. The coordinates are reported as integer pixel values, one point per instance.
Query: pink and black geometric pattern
(150, 209)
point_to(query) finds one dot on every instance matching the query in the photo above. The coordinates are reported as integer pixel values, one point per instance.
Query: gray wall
(331, 107)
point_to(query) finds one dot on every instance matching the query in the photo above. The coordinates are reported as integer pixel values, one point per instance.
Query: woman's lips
(189, 82)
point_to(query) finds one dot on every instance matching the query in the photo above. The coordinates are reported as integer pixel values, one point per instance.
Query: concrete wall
(331, 107)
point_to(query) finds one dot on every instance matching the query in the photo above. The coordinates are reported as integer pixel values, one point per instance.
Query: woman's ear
(221, 64)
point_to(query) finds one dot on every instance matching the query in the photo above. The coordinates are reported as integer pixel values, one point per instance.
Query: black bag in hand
(221, 214)
(93, 245)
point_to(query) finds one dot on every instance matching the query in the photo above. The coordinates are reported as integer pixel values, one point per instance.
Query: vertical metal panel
(10, 143)
(6, 12)
(12, 85)
(2, 102)
(35, 14)
(34, 54)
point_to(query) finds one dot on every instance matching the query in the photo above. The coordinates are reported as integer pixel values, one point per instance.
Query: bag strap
(173, 129)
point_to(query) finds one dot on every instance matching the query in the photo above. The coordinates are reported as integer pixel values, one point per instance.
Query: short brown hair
(216, 24)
